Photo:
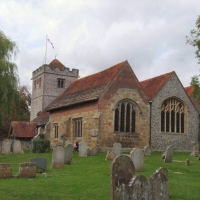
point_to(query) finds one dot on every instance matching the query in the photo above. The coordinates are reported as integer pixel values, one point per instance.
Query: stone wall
(181, 142)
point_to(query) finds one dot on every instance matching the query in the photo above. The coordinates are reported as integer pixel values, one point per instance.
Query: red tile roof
(87, 88)
(56, 63)
(189, 90)
(42, 118)
(23, 129)
(152, 86)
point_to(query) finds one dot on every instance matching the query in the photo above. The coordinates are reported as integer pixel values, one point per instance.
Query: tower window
(61, 83)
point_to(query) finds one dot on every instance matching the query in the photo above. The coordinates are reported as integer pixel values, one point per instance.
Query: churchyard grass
(89, 178)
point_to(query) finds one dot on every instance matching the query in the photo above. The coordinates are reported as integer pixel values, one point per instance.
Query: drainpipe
(150, 103)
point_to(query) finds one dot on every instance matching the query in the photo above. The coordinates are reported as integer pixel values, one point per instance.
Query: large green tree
(194, 38)
(8, 78)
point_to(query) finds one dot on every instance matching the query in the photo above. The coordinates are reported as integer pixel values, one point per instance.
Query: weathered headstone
(17, 147)
(68, 149)
(117, 148)
(5, 170)
(82, 149)
(88, 151)
(169, 154)
(159, 187)
(139, 188)
(110, 155)
(6, 146)
(147, 150)
(187, 162)
(58, 156)
(137, 156)
(41, 164)
(27, 170)
(195, 147)
(163, 170)
(93, 151)
(122, 171)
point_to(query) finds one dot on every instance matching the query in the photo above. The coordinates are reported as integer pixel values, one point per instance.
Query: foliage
(23, 102)
(8, 78)
(194, 38)
(89, 178)
(41, 145)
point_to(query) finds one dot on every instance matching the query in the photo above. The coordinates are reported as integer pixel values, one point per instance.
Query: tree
(194, 38)
(8, 78)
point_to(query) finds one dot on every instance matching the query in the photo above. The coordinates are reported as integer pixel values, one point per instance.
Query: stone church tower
(48, 82)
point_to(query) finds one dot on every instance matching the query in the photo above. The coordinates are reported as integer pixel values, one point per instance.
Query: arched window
(125, 117)
(172, 116)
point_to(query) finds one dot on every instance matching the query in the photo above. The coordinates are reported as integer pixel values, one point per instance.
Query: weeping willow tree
(8, 79)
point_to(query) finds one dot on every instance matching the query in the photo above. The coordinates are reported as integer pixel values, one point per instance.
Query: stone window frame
(77, 127)
(55, 125)
(136, 111)
(60, 82)
(173, 116)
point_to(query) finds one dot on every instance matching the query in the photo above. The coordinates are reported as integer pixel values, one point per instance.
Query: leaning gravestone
(5, 170)
(41, 164)
(137, 156)
(147, 150)
(27, 170)
(68, 149)
(159, 187)
(117, 148)
(169, 154)
(17, 147)
(82, 149)
(58, 156)
(6, 146)
(122, 171)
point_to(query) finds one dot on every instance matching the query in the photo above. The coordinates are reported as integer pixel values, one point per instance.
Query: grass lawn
(89, 178)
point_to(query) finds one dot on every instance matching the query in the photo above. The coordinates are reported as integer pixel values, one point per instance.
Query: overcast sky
(92, 35)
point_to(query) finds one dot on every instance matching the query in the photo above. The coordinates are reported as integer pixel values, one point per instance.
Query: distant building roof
(23, 129)
(56, 63)
(153, 85)
(86, 89)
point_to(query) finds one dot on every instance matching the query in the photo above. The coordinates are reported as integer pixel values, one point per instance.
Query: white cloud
(92, 35)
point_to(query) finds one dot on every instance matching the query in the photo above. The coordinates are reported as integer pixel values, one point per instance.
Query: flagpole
(45, 58)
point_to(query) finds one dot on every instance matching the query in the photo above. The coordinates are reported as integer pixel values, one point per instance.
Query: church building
(113, 106)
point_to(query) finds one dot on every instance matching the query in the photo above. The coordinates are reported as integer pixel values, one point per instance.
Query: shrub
(41, 145)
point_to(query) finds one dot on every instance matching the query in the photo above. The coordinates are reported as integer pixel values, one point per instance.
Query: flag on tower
(48, 40)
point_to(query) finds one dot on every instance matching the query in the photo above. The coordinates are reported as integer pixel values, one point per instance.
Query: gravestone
(68, 149)
(17, 147)
(158, 187)
(169, 154)
(6, 146)
(137, 156)
(27, 170)
(162, 170)
(93, 151)
(41, 164)
(5, 170)
(195, 147)
(82, 149)
(117, 148)
(88, 151)
(122, 171)
(110, 155)
(139, 188)
(58, 156)
(147, 150)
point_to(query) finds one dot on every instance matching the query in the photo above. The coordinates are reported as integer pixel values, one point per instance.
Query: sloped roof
(152, 86)
(56, 63)
(23, 129)
(195, 102)
(86, 89)
(42, 118)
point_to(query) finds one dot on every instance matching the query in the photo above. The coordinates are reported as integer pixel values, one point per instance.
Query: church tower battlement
(48, 82)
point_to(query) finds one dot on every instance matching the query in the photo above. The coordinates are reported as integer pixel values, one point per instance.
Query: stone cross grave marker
(137, 156)
(68, 149)
(82, 149)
